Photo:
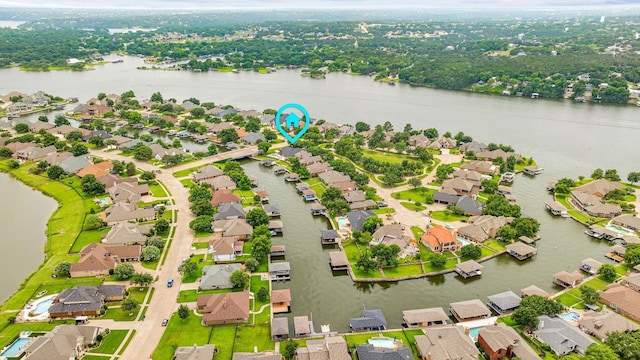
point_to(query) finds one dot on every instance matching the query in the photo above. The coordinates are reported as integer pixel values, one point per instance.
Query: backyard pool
(571, 316)
(103, 202)
(463, 241)
(15, 348)
(382, 343)
(42, 307)
(619, 230)
(342, 222)
(473, 332)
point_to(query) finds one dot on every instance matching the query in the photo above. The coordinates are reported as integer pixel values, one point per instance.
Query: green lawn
(192, 295)
(223, 336)
(138, 293)
(415, 195)
(568, 299)
(246, 196)
(257, 334)
(94, 357)
(442, 215)
(187, 183)
(352, 252)
(157, 190)
(185, 332)
(407, 337)
(597, 284)
(390, 157)
(366, 275)
(318, 186)
(417, 232)
(412, 206)
(117, 314)
(124, 347)
(403, 270)
(256, 284)
(450, 264)
(186, 172)
(111, 342)
(198, 260)
(201, 245)
(87, 237)
(494, 244)
(382, 211)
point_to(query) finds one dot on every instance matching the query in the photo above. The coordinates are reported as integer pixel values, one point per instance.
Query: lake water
(568, 139)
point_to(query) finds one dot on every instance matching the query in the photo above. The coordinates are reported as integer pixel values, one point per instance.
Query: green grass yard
(87, 237)
(157, 190)
(185, 332)
(110, 343)
(415, 195)
(442, 215)
(403, 270)
(413, 207)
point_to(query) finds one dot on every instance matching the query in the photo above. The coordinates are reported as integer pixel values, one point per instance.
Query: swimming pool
(463, 241)
(15, 348)
(619, 230)
(42, 307)
(382, 343)
(103, 202)
(342, 222)
(473, 332)
(571, 316)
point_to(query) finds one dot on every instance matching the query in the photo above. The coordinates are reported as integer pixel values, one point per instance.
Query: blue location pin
(292, 121)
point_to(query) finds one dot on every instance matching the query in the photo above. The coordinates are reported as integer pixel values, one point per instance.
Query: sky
(308, 4)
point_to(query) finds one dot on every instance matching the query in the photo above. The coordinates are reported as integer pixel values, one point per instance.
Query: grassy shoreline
(63, 227)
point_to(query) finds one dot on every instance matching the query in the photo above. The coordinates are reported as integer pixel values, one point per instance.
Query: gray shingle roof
(371, 319)
(367, 352)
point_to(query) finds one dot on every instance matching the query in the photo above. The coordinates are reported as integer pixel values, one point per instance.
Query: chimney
(466, 331)
(429, 357)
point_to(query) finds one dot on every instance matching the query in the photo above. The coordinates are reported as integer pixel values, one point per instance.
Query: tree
(525, 316)
(21, 128)
(371, 224)
(212, 149)
(589, 294)
(240, 279)
(61, 120)
(252, 264)
(55, 172)
(201, 223)
(362, 126)
(228, 135)
(471, 251)
(263, 294)
(612, 175)
(528, 227)
(79, 149)
(387, 126)
(290, 348)
(431, 133)
(489, 186)
(386, 255)
(632, 255)
(150, 253)
(162, 226)
(443, 171)
(141, 279)
(199, 192)
(189, 268)
(607, 272)
(128, 304)
(74, 136)
(147, 175)
(261, 247)
(633, 177)
(197, 112)
(202, 207)
(142, 152)
(256, 217)
(600, 352)
(155, 241)
(415, 182)
(91, 186)
(131, 169)
(625, 345)
(438, 261)
(63, 269)
(507, 233)
(43, 118)
(264, 146)
(497, 205)
(541, 305)
(183, 311)
(96, 140)
(157, 97)
(365, 263)
(5, 152)
(124, 271)
(93, 222)
(597, 174)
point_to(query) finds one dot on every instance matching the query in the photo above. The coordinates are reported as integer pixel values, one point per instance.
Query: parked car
(170, 283)
(165, 322)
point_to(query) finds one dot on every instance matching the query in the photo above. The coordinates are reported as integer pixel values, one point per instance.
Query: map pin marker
(292, 121)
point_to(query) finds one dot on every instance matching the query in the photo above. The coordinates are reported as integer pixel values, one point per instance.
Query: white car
(448, 226)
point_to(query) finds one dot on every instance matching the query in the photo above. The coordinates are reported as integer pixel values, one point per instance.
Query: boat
(117, 61)
(391, 82)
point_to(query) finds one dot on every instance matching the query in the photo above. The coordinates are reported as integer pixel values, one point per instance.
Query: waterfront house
(419, 141)
(534, 290)
(590, 266)
(224, 197)
(499, 341)
(277, 250)
(561, 336)
(567, 279)
(302, 186)
(358, 217)
(252, 138)
(280, 271)
(318, 168)
(603, 233)
(127, 233)
(206, 173)
(532, 170)
(310, 160)
(469, 310)
(594, 205)
(63, 342)
(279, 329)
(363, 205)
(291, 177)
(124, 212)
(229, 211)
(195, 352)
(272, 210)
(318, 209)
(469, 268)
(483, 227)
(97, 170)
(622, 300)
(474, 146)
(279, 170)
(556, 208)
(338, 261)
(227, 308)
(521, 251)
(329, 348)
(354, 196)
(446, 342)
(483, 167)
(371, 320)
(263, 194)
(309, 195)
(73, 164)
(504, 302)
(421, 318)
(460, 187)
(158, 152)
(494, 154)
(627, 221)
(225, 248)
(222, 182)
(393, 234)
(218, 276)
(215, 129)
(84, 300)
(34, 153)
(281, 301)
(600, 324)
(345, 186)
(329, 237)
(98, 259)
(470, 176)
(632, 281)
(288, 151)
(469, 206)
(233, 227)
(371, 352)
(332, 177)
(301, 326)
(440, 239)
(276, 226)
